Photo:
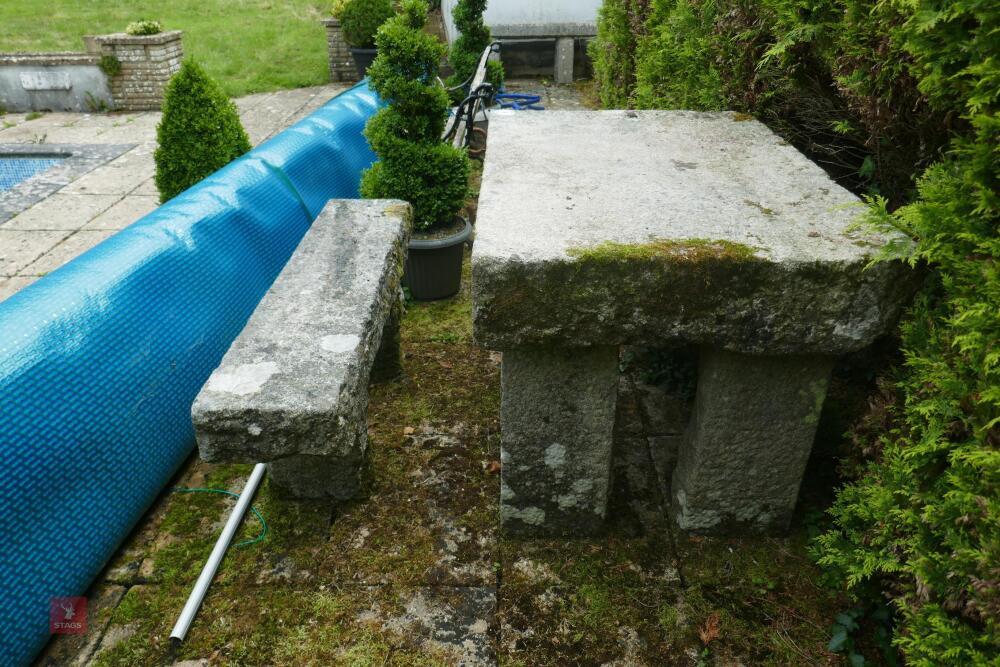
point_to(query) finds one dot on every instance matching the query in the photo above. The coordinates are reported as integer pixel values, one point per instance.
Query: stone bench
(600, 229)
(292, 390)
(564, 34)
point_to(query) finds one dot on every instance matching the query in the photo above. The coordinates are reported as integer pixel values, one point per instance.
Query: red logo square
(68, 616)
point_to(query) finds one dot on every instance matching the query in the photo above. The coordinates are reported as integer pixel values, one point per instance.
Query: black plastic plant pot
(434, 266)
(363, 59)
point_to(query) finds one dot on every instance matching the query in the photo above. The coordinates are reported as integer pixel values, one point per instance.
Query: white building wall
(529, 12)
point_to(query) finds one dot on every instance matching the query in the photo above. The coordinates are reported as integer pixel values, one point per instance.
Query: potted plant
(414, 164)
(360, 20)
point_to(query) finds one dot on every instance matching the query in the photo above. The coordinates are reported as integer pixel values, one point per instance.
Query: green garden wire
(260, 517)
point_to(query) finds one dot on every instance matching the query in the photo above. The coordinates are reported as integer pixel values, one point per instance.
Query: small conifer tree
(473, 40)
(200, 131)
(415, 165)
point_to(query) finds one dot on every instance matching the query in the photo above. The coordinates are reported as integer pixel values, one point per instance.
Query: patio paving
(72, 220)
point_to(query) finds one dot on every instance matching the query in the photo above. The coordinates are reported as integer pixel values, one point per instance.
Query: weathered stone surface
(557, 416)
(702, 227)
(565, 47)
(389, 359)
(748, 443)
(294, 383)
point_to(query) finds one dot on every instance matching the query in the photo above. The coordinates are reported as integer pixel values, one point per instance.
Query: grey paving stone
(77, 244)
(109, 180)
(148, 188)
(18, 249)
(10, 286)
(123, 213)
(61, 212)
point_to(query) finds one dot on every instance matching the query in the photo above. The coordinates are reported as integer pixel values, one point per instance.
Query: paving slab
(77, 244)
(126, 211)
(113, 179)
(10, 286)
(62, 211)
(18, 248)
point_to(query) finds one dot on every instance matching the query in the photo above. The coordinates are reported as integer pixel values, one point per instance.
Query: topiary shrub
(199, 133)
(144, 27)
(361, 19)
(415, 165)
(470, 44)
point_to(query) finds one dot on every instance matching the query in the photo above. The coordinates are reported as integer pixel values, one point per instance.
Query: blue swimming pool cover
(101, 360)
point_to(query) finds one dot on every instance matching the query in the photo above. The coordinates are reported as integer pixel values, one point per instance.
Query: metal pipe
(215, 558)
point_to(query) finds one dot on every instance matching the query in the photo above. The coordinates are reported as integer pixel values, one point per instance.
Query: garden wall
(53, 82)
(118, 72)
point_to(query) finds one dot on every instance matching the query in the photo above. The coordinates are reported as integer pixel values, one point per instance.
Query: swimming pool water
(14, 169)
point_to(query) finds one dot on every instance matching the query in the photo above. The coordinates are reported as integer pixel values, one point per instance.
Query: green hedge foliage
(470, 44)
(414, 163)
(361, 19)
(897, 100)
(199, 133)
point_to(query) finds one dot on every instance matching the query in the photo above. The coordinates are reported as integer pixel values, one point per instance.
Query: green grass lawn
(250, 46)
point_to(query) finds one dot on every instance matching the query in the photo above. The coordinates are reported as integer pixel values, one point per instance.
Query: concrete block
(292, 389)
(557, 415)
(745, 451)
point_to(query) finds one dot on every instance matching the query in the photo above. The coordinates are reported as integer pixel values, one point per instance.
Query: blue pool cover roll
(101, 360)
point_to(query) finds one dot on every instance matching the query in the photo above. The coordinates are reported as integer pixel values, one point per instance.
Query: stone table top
(607, 227)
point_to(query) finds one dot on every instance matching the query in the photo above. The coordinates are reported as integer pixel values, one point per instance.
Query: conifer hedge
(898, 101)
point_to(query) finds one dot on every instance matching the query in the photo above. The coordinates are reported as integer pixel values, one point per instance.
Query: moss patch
(686, 250)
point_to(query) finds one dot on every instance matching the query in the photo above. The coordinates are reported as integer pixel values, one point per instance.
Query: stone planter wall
(147, 63)
(341, 62)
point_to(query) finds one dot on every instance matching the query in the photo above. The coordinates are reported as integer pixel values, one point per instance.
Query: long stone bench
(601, 229)
(292, 390)
(564, 34)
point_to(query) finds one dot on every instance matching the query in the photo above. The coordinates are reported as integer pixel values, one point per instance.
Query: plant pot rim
(364, 50)
(446, 242)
